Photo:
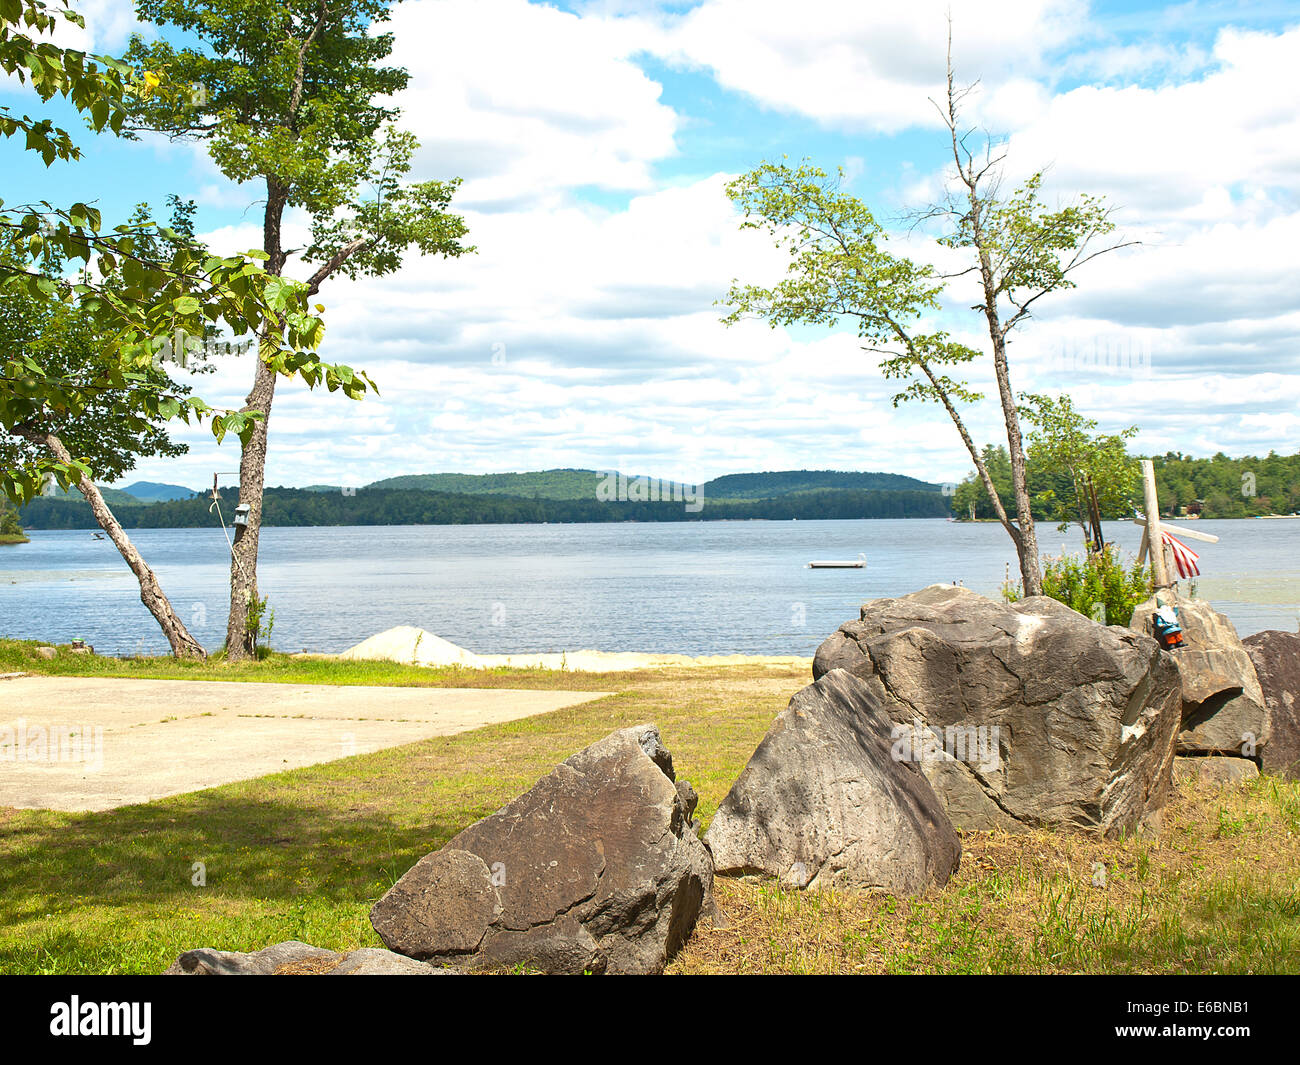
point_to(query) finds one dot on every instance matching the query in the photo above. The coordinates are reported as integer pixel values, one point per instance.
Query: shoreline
(411, 646)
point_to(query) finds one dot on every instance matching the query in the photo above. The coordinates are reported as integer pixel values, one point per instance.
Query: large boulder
(299, 959)
(1276, 657)
(824, 803)
(597, 868)
(1040, 716)
(1223, 705)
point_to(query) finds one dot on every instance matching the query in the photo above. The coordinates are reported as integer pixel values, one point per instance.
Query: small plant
(1099, 585)
(261, 623)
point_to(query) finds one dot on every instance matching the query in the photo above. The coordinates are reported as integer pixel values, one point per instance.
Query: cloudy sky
(594, 140)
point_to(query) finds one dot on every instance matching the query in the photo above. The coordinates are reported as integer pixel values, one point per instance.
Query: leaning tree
(140, 284)
(294, 96)
(1016, 247)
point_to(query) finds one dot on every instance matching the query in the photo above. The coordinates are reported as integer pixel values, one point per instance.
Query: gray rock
(1215, 769)
(1070, 723)
(597, 868)
(299, 959)
(1276, 657)
(824, 803)
(371, 961)
(1222, 703)
(47, 653)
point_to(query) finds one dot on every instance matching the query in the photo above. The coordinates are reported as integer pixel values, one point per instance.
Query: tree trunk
(1094, 510)
(980, 467)
(1028, 542)
(183, 645)
(240, 643)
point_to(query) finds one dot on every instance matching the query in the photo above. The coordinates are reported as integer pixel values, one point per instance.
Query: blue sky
(594, 140)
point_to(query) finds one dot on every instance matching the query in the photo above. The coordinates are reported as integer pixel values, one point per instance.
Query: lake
(694, 588)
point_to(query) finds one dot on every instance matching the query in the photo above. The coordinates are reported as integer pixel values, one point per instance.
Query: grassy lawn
(20, 656)
(303, 854)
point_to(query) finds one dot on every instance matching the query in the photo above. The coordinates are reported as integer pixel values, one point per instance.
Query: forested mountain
(296, 506)
(1222, 484)
(786, 482)
(152, 491)
(582, 484)
(542, 484)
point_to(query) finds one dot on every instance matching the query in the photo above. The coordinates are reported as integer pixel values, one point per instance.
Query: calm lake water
(694, 588)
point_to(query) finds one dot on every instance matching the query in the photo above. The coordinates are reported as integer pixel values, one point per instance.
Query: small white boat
(839, 564)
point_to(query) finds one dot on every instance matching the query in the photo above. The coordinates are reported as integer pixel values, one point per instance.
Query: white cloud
(866, 66)
(108, 24)
(608, 346)
(1162, 150)
(526, 101)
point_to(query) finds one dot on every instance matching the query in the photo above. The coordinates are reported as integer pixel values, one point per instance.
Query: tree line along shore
(1216, 487)
(302, 507)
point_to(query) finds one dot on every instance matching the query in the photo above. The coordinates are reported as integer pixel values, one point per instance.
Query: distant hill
(140, 492)
(112, 496)
(371, 506)
(153, 492)
(543, 484)
(582, 484)
(789, 482)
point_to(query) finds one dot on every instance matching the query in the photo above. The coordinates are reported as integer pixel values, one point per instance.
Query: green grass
(304, 854)
(276, 668)
(13, 538)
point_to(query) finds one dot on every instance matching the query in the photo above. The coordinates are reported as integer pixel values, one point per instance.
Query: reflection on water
(695, 588)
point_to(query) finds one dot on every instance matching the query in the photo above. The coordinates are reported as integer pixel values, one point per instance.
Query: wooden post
(1155, 540)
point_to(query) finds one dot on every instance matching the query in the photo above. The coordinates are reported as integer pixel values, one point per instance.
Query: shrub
(1090, 582)
(9, 524)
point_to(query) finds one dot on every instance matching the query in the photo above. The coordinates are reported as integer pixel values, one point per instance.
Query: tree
(971, 493)
(841, 269)
(290, 94)
(1100, 476)
(133, 302)
(110, 431)
(9, 523)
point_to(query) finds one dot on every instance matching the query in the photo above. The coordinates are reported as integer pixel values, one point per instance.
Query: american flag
(1185, 558)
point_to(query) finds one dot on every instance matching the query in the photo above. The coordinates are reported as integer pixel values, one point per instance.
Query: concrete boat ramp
(95, 743)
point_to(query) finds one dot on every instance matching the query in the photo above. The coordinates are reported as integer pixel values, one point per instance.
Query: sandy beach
(409, 645)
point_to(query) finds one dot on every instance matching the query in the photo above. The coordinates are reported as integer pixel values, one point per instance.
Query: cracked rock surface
(822, 802)
(597, 868)
(1078, 720)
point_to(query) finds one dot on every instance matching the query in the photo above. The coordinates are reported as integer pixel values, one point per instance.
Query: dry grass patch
(1217, 891)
